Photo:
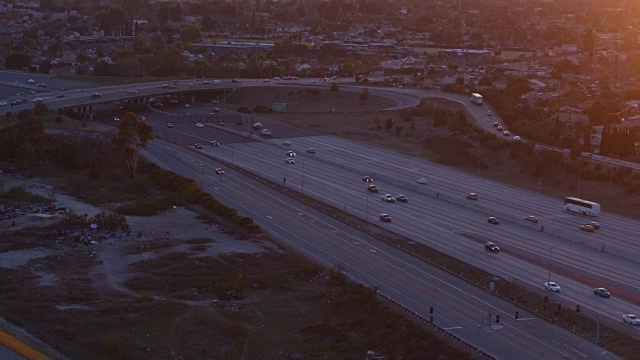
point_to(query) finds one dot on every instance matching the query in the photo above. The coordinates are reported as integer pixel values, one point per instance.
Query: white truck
(476, 98)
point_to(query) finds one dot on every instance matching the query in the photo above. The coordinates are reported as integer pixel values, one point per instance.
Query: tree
(17, 60)
(190, 34)
(348, 68)
(133, 135)
(335, 87)
(364, 95)
(517, 86)
(485, 81)
(388, 124)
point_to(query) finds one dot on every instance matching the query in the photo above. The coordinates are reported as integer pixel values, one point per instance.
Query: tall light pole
(550, 263)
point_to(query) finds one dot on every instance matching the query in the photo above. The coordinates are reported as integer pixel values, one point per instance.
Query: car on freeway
(214, 143)
(3, 103)
(489, 113)
(198, 146)
(493, 220)
(215, 82)
(206, 82)
(132, 91)
(388, 198)
(290, 161)
(220, 124)
(60, 96)
(472, 196)
(219, 171)
(311, 150)
(164, 86)
(495, 124)
(169, 125)
(506, 133)
(143, 118)
(489, 246)
(517, 138)
(422, 181)
(286, 143)
(372, 188)
(587, 228)
(266, 80)
(595, 225)
(115, 119)
(257, 125)
(500, 128)
(402, 198)
(313, 81)
(265, 132)
(276, 78)
(42, 85)
(200, 125)
(216, 110)
(552, 286)
(367, 179)
(602, 292)
(37, 100)
(291, 153)
(96, 95)
(385, 218)
(532, 219)
(30, 81)
(631, 319)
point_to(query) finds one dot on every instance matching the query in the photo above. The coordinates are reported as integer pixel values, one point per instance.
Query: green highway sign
(279, 106)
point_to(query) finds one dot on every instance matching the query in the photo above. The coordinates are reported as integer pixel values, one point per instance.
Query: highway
(459, 307)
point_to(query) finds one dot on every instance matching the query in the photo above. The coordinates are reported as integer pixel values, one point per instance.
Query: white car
(31, 81)
(631, 319)
(265, 132)
(290, 161)
(257, 125)
(186, 106)
(551, 286)
(423, 181)
(200, 125)
(3, 103)
(216, 82)
(132, 91)
(517, 138)
(388, 198)
(286, 143)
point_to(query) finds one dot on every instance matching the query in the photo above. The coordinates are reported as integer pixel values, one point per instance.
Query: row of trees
(617, 142)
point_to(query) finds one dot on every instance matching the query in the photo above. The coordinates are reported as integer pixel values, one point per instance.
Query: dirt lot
(178, 286)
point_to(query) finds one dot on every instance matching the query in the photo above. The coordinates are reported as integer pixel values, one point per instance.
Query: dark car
(169, 125)
(602, 292)
(372, 188)
(594, 225)
(491, 247)
(214, 143)
(493, 220)
(311, 150)
(532, 218)
(402, 198)
(198, 146)
(96, 95)
(385, 217)
(219, 171)
(367, 179)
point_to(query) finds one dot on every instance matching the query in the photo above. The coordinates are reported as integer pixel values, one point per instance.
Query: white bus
(581, 206)
(476, 98)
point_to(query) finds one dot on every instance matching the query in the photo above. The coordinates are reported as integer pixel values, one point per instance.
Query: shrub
(244, 110)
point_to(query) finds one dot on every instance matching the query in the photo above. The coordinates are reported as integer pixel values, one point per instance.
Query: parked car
(552, 286)
(290, 161)
(602, 292)
(493, 220)
(402, 198)
(219, 171)
(198, 146)
(587, 227)
(631, 319)
(532, 218)
(265, 132)
(367, 179)
(385, 218)
(214, 143)
(199, 125)
(388, 198)
(311, 150)
(489, 246)
(423, 181)
(372, 188)
(257, 125)
(472, 196)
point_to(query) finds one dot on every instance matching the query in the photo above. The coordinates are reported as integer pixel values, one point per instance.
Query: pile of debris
(91, 235)
(42, 210)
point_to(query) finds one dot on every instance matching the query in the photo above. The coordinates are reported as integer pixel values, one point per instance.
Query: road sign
(279, 106)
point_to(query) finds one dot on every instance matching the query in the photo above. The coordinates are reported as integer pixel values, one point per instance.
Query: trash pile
(44, 210)
(90, 235)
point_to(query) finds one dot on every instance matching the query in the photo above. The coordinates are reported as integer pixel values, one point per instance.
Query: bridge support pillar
(193, 98)
(90, 112)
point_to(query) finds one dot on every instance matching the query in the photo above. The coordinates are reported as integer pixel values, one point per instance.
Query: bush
(244, 110)
(261, 109)
(17, 193)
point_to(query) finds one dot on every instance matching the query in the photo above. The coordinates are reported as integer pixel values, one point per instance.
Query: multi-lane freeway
(437, 214)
